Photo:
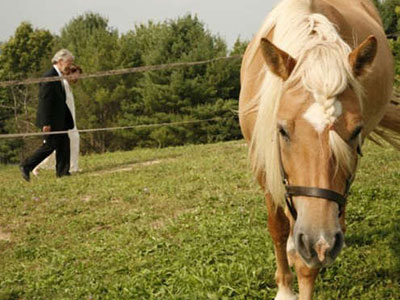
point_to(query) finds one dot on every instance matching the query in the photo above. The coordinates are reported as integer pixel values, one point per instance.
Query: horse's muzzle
(318, 250)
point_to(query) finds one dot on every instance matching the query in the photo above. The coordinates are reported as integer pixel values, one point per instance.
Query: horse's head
(319, 131)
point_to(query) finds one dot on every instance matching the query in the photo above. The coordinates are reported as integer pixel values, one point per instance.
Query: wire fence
(141, 69)
(117, 72)
(23, 135)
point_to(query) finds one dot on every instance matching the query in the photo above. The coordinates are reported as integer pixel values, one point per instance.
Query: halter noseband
(313, 192)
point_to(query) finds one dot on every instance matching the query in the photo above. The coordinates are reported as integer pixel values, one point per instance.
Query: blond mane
(322, 69)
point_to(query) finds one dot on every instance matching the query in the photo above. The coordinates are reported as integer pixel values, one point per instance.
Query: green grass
(180, 223)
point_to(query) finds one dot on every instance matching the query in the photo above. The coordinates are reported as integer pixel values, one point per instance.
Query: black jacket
(53, 109)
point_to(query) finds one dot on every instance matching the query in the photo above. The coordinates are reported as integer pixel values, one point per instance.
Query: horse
(316, 81)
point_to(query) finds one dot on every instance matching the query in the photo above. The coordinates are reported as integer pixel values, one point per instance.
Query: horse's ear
(363, 56)
(279, 62)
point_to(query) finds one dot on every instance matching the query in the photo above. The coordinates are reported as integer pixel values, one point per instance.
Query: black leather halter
(314, 192)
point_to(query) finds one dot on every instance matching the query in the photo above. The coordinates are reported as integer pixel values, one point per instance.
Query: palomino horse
(316, 81)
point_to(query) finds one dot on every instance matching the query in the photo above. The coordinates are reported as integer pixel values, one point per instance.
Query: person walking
(53, 115)
(73, 134)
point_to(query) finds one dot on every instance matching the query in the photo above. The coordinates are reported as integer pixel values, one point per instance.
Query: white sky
(228, 18)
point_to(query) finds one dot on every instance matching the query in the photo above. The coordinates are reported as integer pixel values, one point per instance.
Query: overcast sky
(228, 18)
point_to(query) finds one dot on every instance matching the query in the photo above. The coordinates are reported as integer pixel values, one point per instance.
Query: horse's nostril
(338, 245)
(303, 245)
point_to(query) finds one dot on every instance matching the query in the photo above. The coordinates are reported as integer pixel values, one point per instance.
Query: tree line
(390, 14)
(175, 95)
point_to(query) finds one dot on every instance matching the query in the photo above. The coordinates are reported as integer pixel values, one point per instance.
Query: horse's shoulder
(371, 10)
(334, 14)
(343, 13)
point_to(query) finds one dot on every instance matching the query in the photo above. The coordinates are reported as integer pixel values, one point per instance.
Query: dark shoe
(25, 173)
(63, 175)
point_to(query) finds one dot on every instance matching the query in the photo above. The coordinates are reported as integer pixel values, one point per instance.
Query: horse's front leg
(278, 226)
(306, 278)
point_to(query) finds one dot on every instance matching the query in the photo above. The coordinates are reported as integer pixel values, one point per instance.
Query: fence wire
(23, 135)
(141, 69)
(117, 72)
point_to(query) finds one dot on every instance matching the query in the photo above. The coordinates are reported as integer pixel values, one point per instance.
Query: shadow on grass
(374, 229)
(394, 245)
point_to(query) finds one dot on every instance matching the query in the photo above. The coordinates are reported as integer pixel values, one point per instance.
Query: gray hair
(62, 54)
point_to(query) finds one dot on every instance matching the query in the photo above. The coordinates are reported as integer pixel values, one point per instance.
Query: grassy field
(180, 223)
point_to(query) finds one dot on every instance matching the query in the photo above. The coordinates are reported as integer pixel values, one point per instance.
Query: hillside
(180, 223)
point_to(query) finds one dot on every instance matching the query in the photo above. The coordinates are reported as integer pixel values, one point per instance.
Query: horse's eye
(283, 132)
(356, 133)
(354, 138)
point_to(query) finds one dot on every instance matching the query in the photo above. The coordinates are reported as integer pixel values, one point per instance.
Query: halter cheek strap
(313, 192)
